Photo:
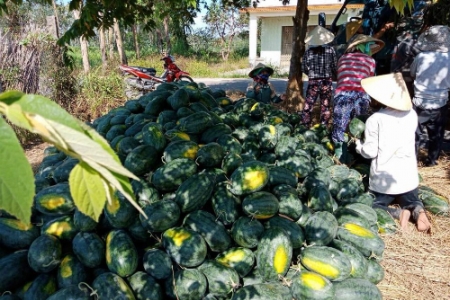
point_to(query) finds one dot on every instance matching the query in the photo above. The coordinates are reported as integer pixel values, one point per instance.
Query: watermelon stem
(93, 292)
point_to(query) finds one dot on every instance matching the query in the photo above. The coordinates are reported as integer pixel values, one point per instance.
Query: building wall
(271, 3)
(271, 36)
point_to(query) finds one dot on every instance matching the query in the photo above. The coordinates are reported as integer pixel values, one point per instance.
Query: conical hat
(362, 38)
(319, 36)
(260, 67)
(389, 90)
(351, 28)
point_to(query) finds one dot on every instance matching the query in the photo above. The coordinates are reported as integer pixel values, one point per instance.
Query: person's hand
(386, 27)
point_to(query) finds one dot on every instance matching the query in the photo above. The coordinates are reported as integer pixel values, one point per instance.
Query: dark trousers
(433, 122)
(409, 200)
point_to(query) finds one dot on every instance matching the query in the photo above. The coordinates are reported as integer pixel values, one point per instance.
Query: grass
(211, 66)
(100, 91)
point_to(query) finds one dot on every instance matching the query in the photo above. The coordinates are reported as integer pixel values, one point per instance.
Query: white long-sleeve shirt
(390, 143)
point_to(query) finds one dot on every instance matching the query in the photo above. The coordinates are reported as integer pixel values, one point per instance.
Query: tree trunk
(160, 41)
(119, 43)
(167, 34)
(294, 93)
(84, 47)
(103, 48)
(55, 12)
(111, 43)
(136, 42)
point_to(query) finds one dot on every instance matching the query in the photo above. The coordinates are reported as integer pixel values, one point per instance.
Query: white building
(277, 27)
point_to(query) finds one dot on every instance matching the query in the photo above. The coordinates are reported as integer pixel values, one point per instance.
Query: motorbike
(140, 80)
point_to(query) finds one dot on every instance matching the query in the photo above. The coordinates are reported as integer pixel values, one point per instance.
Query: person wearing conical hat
(350, 99)
(260, 88)
(431, 70)
(389, 141)
(320, 64)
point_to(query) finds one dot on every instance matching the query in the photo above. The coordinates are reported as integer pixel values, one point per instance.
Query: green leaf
(88, 190)
(16, 176)
(42, 106)
(15, 114)
(96, 137)
(88, 149)
(117, 182)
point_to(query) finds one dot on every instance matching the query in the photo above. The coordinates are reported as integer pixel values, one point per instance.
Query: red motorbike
(144, 80)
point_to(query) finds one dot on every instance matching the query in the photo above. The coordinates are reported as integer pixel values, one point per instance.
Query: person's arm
(333, 63)
(413, 68)
(272, 89)
(383, 30)
(369, 149)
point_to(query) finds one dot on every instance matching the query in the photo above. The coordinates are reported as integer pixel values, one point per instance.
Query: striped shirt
(352, 67)
(319, 62)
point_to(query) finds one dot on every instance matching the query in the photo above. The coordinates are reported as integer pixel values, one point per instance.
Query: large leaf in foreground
(16, 176)
(88, 190)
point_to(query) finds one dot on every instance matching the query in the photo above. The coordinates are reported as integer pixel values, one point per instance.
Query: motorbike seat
(151, 71)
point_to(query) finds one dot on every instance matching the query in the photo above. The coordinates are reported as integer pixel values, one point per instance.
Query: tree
(83, 45)
(102, 38)
(294, 90)
(226, 22)
(119, 43)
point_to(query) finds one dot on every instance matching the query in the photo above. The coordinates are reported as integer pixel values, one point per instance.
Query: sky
(198, 20)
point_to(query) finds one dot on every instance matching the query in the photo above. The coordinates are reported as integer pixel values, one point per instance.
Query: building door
(287, 37)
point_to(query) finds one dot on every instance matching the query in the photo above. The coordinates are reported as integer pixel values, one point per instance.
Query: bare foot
(423, 224)
(405, 215)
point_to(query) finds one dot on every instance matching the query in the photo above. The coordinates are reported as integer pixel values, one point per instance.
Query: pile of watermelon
(242, 202)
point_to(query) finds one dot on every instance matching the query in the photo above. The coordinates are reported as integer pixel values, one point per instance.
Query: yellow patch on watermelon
(183, 135)
(225, 102)
(272, 130)
(232, 257)
(114, 206)
(321, 268)
(255, 106)
(17, 224)
(313, 281)
(50, 287)
(108, 252)
(359, 230)
(261, 216)
(178, 237)
(191, 153)
(124, 287)
(53, 202)
(58, 228)
(254, 179)
(280, 259)
(277, 120)
(329, 146)
(65, 269)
